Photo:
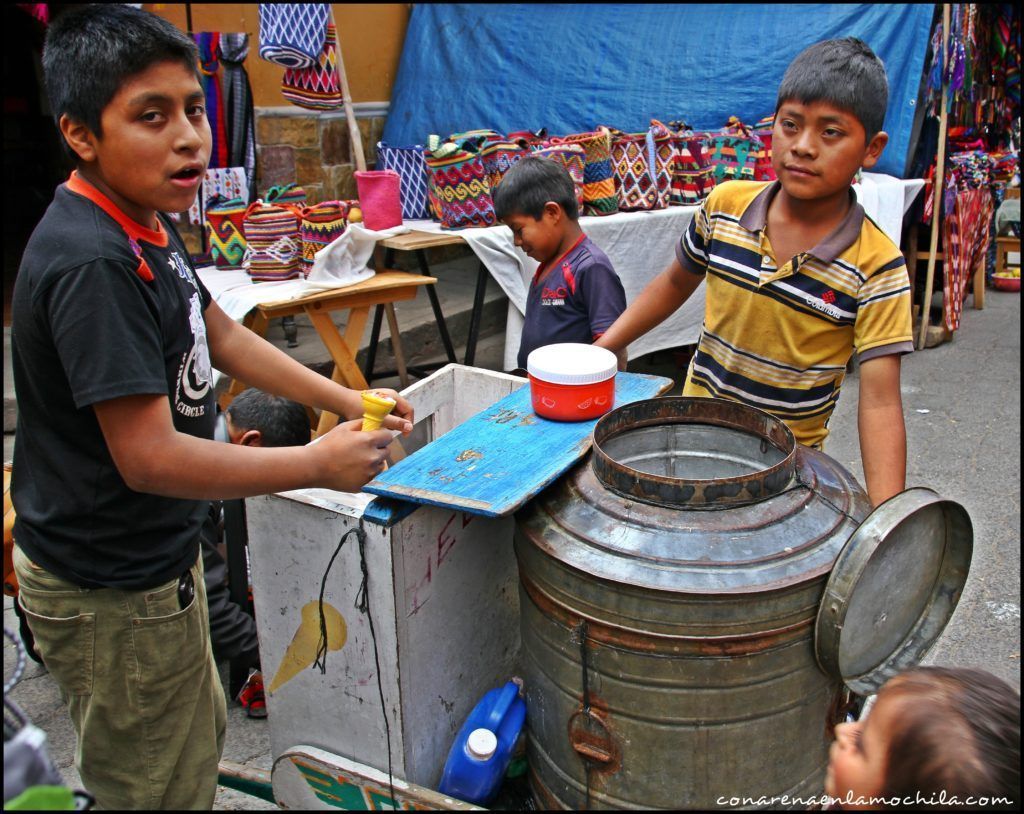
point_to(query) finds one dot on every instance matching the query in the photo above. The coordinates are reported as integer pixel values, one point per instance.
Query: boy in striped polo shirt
(798, 277)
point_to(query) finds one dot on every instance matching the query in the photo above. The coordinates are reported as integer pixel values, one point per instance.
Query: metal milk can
(697, 593)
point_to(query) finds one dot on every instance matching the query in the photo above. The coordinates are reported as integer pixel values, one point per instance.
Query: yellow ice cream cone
(301, 653)
(375, 407)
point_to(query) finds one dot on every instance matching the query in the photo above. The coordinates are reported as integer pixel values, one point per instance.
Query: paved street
(962, 409)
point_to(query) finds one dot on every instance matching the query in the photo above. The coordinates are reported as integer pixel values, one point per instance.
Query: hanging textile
(238, 107)
(209, 68)
(227, 183)
(965, 237)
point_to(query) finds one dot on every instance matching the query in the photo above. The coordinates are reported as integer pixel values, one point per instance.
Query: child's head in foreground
(537, 201)
(257, 418)
(124, 90)
(932, 731)
(828, 116)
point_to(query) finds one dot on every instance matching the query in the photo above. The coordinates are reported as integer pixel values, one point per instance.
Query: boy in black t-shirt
(575, 294)
(114, 339)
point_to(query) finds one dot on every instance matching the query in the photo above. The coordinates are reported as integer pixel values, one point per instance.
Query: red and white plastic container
(572, 382)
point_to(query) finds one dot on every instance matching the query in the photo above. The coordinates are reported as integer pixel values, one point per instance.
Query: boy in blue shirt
(114, 339)
(575, 294)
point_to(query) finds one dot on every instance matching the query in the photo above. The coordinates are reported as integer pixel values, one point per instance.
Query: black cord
(362, 604)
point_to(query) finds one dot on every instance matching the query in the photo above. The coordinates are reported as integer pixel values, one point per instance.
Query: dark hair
(281, 422)
(843, 72)
(530, 183)
(955, 730)
(90, 52)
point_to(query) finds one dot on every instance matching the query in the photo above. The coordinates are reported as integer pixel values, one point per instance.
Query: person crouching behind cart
(797, 277)
(936, 737)
(575, 293)
(114, 339)
(253, 419)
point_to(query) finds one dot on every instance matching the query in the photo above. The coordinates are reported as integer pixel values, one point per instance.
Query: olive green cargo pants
(140, 683)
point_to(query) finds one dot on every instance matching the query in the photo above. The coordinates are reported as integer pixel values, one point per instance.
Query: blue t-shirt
(575, 298)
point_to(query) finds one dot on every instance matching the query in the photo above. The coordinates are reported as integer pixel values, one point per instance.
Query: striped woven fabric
(573, 158)
(224, 222)
(459, 186)
(691, 171)
(317, 87)
(291, 194)
(599, 196)
(273, 244)
(322, 223)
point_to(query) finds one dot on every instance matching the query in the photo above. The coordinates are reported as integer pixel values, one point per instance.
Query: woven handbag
(291, 194)
(317, 87)
(322, 224)
(273, 243)
(691, 169)
(379, 198)
(412, 173)
(225, 227)
(735, 151)
(498, 152)
(573, 158)
(458, 185)
(599, 196)
(642, 164)
(292, 34)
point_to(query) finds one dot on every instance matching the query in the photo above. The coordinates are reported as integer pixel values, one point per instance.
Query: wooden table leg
(979, 283)
(342, 351)
(396, 344)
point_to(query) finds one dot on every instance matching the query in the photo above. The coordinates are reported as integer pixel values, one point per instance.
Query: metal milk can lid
(893, 589)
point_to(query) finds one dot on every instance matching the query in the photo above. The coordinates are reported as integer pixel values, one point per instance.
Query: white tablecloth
(641, 245)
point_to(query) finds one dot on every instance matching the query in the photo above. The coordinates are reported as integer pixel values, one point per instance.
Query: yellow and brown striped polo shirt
(779, 338)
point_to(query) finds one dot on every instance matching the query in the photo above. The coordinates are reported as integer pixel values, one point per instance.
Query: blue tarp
(571, 67)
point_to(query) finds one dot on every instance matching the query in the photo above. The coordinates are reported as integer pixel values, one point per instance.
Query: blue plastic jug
(483, 748)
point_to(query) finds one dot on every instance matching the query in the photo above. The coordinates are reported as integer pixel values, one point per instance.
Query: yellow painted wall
(370, 35)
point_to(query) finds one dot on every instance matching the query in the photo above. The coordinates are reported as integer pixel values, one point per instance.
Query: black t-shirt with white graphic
(574, 299)
(88, 327)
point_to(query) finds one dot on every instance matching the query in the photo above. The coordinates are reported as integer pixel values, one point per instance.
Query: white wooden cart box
(436, 624)
(437, 578)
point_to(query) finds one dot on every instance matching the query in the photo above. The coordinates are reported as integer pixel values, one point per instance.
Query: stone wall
(313, 150)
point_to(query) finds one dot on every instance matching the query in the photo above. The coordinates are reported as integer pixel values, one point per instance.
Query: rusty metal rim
(631, 482)
(662, 644)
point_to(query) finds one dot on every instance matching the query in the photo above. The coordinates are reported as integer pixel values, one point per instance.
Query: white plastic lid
(482, 743)
(572, 363)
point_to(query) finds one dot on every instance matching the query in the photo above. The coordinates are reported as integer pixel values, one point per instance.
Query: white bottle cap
(572, 363)
(482, 743)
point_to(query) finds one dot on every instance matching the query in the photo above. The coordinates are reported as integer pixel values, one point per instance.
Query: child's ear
(874, 150)
(251, 438)
(554, 210)
(79, 137)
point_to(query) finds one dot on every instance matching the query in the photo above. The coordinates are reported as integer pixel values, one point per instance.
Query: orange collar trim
(134, 230)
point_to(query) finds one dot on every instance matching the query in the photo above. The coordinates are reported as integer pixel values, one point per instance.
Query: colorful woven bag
(735, 152)
(691, 169)
(291, 194)
(322, 224)
(292, 34)
(225, 227)
(273, 245)
(573, 158)
(458, 185)
(642, 164)
(317, 87)
(498, 152)
(599, 196)
(412, 173)
(379, 198)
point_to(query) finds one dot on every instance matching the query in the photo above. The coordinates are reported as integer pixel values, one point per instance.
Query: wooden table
(383, 288)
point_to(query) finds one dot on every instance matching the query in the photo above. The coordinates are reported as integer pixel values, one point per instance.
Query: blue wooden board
(500, 458)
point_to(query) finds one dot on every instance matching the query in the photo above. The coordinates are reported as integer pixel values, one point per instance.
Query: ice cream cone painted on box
(376, 406)
(302, 651)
